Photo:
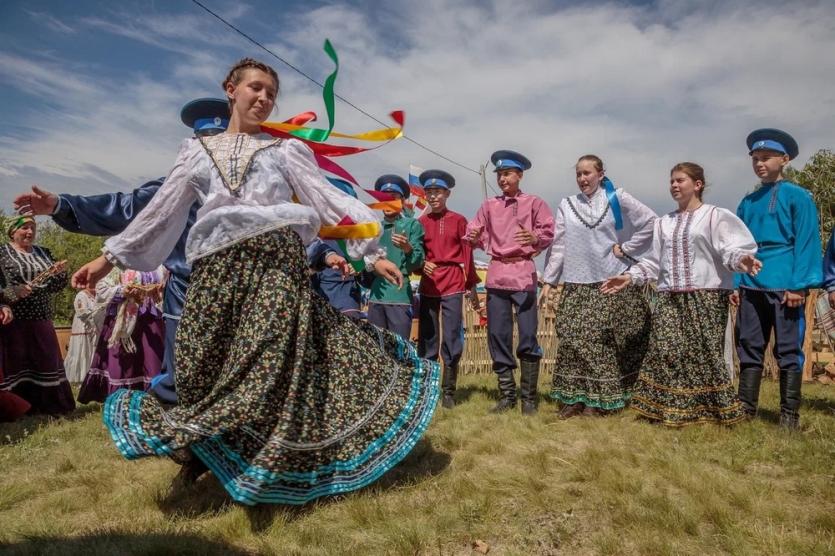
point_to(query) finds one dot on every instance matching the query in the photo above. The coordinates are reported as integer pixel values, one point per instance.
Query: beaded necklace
(583, 220)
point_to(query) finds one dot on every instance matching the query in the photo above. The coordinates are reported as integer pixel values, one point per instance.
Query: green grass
(614, 485)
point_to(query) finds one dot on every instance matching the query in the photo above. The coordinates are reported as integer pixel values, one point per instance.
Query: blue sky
(92, 89)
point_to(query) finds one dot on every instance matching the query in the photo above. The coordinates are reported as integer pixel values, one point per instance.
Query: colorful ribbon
(611, 194)
(320, 135)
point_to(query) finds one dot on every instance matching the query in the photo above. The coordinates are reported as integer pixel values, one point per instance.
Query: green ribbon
(321, 135)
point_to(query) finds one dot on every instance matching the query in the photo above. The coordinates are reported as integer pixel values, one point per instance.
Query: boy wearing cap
(390, 307)
(512, 228)
(784, 221)
(110, 213)
(448, 273)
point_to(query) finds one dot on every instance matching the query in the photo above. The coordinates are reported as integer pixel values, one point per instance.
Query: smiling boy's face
(768, 164)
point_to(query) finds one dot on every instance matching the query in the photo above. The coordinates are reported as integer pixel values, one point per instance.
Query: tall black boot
(448, 386)
(749, 390)
(790, 383)
(527, 386)
(507, 389)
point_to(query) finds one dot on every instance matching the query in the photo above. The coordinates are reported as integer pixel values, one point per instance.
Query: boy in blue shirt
(784, 221)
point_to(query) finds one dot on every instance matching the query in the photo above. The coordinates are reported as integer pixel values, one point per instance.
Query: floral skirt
(602, 342)
(684, 378)
(283, 398)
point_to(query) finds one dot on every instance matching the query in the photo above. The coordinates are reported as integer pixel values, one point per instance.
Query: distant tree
(76, 249)
(818, 176)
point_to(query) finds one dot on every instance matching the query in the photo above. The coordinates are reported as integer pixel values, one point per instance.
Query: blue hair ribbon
(611, 194)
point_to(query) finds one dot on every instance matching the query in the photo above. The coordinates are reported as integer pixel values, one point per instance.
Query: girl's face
(253, 98)
(768, 165)
(24, 236)
(683, 188)
(588, 177)
(508, 181)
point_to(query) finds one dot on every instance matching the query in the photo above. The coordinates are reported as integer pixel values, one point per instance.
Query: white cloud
(644, 87)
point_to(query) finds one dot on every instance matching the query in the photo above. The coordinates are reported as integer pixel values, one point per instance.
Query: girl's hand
(429, 268)
(543, 295)
(91, 273)
(616, 283)
(750, 264)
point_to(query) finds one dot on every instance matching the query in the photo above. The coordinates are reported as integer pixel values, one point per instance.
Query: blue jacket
(784, 221)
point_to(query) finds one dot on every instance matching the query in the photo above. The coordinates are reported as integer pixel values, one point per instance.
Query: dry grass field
(615, 485)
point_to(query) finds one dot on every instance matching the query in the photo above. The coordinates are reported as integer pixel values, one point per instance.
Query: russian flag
(415, 187)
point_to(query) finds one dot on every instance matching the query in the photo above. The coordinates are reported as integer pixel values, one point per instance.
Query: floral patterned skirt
(684, 379)
(283, 398)
(602, 342)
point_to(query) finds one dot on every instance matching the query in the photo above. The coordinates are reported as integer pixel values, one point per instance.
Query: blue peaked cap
(436, 178)
(206, 114)
(773, 140)
(504, 160)
(392, 183)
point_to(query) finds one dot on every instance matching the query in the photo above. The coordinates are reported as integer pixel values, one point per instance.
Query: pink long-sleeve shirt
(499, 219)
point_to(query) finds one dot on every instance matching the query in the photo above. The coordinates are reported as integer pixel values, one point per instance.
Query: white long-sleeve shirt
(584, 234)
(247, 185)
(695, 250)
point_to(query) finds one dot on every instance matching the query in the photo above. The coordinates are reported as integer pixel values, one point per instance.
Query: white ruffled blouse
(695, 250)
(247, 185)
(584, 235)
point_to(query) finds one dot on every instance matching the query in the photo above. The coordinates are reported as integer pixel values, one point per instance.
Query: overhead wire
(313, 80)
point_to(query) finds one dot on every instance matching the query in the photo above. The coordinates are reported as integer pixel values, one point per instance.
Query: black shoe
(790, 421)
(507, 389)
(749, 390)
(447, 402)
(527, 386)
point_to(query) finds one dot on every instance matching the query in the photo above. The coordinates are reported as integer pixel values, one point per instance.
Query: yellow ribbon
(385, 134)
(364, 230)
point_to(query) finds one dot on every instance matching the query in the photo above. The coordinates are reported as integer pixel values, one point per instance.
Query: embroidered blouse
(695, 250)
(247, 185)
(584, 235)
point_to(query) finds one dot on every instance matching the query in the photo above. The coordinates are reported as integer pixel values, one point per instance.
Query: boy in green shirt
(390, 307)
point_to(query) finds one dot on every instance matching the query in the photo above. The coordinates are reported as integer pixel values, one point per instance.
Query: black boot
(790, 399)
(527, 386)
(507, 389)
(448, 386)
(749, 390)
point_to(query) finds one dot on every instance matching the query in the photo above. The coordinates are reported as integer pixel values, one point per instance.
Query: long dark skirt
(115, 367)
(281, 396)
(602, 342)
(33, 368)
(684, 379)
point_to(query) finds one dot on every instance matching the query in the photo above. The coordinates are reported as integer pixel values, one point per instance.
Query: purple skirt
(115, 368)
(33, 368)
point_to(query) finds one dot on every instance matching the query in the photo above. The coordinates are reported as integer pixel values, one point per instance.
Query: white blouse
(695, 250)
(247, 185)
(584, 234)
